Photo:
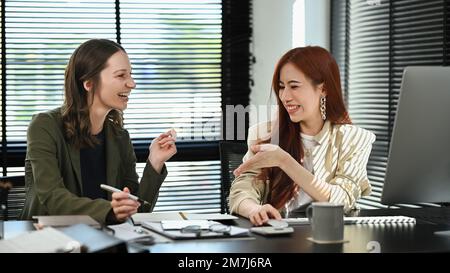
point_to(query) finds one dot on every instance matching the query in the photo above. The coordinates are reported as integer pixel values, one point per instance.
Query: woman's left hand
(266, 155)
(162, 149)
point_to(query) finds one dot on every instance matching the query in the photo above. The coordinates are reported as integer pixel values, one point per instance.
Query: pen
(183, 216)
(131, 196)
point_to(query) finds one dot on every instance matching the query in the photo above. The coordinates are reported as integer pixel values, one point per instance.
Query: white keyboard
(360, 220)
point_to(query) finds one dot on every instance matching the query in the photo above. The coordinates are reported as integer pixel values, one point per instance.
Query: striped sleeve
(350, 181)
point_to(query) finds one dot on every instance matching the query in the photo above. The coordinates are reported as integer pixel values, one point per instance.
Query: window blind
(40, 37)
(368, 83)
(190, 186)
(175, 48)
(338, 41)
(2, 87)
(383, 37)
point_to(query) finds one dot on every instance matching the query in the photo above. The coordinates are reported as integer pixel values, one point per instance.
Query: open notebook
(176, 230)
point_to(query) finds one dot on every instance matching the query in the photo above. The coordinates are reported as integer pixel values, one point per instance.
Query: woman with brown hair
(311, 152)
(73, 149)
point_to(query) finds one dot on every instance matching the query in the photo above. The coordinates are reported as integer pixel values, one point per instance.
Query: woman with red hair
(311, 152)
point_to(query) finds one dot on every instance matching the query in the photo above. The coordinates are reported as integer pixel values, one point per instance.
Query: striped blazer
(340, 159)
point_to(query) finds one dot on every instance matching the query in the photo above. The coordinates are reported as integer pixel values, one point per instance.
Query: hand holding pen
(130, 196)
(123, 203)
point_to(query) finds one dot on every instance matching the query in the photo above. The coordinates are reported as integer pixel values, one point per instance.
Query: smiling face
(115, 84)
(299, 96)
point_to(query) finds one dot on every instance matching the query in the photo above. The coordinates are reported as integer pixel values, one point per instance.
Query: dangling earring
(323, 107)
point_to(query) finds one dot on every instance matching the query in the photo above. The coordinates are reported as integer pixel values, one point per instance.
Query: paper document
(47, 240)
(209, 216)
(179, 224)
(139, 218)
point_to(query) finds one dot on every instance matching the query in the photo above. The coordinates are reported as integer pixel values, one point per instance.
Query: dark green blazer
(53, 176)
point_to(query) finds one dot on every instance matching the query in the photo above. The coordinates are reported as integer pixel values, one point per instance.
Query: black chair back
(231, 154)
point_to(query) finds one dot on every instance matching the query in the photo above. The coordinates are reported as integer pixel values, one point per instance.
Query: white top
(308, 145)
(302, 198)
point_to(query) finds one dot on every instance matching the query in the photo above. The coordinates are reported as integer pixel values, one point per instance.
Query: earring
(323, 107)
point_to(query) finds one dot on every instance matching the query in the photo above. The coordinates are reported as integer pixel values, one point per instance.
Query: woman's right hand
(162, 149)
(123, 207)
(262, 214)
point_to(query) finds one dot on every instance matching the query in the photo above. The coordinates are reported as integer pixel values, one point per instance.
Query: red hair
(319, 66)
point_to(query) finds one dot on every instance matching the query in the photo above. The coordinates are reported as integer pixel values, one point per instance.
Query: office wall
(317, 23)
(272, 36)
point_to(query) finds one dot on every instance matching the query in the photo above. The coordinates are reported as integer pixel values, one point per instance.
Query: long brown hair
(319, 66)
(86, 63)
